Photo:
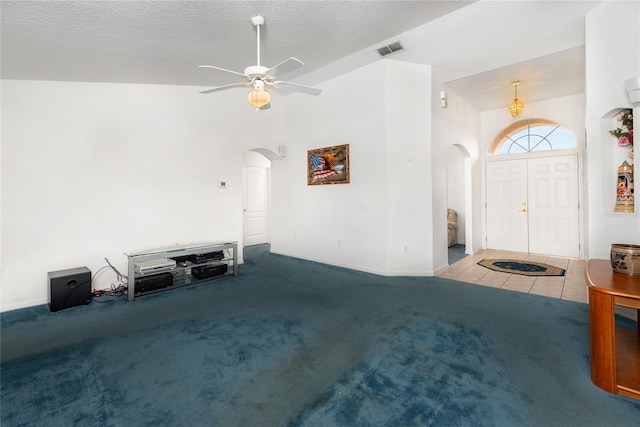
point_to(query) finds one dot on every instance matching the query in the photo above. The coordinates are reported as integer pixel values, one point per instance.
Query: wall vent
(389, 49)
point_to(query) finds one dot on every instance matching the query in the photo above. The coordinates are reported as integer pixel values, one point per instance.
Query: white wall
(409, 155)
(309, 221)
(613, 56)
(93, 170)
(381, 221)
(391, 218)
(456, 127)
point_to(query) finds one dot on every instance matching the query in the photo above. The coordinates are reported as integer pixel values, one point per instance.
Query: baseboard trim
(378, 272)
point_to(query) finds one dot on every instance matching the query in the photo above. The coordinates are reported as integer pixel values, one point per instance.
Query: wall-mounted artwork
(329, 165)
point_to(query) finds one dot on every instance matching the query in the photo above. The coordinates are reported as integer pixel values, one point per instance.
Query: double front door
(533, 205)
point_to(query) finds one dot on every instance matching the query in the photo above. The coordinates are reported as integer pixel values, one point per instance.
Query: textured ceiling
(480, 47)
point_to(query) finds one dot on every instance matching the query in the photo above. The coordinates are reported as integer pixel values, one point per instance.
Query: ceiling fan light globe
(259, 98)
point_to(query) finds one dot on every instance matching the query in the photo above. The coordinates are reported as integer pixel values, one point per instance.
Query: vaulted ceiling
(479, 47)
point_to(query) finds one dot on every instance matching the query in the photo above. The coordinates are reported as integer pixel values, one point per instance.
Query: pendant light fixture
(516, 106)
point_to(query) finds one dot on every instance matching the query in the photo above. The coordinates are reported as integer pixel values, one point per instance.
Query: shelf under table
(615, 351)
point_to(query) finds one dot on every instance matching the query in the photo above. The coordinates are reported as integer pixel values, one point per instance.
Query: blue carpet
(456, 253)
(295, 343)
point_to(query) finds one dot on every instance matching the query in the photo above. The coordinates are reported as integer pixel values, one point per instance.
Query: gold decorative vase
(624, 192)
(625, 258)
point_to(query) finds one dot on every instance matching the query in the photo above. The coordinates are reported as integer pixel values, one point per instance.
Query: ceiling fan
(259, 77)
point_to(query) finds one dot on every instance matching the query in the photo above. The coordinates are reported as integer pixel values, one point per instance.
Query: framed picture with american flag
(329, 165)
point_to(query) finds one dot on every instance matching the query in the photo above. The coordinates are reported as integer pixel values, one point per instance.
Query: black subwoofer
(69, 288)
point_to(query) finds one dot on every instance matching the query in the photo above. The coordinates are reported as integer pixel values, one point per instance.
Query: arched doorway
(256, 196)
(459, 203)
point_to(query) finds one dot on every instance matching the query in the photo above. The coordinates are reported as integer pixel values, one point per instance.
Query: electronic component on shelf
(211, 270)
(181, 260)
(202, 258)
(154, 282)
(146, 267)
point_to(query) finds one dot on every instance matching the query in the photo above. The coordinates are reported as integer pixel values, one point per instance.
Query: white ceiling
(479, 48)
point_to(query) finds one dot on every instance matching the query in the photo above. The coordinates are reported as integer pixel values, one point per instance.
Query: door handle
(524, 209)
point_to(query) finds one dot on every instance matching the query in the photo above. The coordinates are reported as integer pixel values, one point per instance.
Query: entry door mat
(525, 268)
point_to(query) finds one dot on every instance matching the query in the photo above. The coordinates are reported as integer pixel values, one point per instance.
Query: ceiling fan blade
(284, 67)
(265, 107)
(225, 87)
(222, 69)
(294, 87)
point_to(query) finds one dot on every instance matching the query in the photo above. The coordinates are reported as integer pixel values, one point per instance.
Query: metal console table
(225, 265)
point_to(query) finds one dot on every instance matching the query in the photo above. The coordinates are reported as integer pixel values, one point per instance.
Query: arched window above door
(532, 135)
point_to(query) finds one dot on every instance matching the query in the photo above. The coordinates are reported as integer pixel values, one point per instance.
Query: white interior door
(256, 205)
(532, 205)
(507, 205)
(553, 206)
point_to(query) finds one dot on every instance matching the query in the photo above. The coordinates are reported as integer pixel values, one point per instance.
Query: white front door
(256, 205)
(507, 205)
(553, 206)
(532, 205)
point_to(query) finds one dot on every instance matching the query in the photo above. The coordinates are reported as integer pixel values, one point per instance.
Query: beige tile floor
(571, 286)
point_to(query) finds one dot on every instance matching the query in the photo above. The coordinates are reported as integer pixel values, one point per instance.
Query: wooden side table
(615, 352)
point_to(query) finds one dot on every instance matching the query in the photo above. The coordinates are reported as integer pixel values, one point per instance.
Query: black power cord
(114, 291)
